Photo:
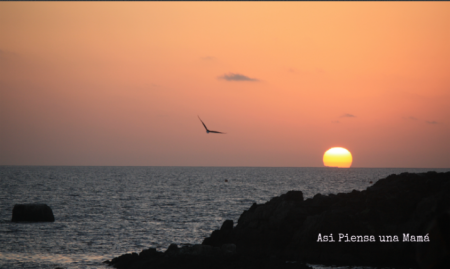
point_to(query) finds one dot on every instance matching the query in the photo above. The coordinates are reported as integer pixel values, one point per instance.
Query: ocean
(103, 212)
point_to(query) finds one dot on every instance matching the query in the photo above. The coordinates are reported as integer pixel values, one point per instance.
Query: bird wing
(203, 124)
(216, 132)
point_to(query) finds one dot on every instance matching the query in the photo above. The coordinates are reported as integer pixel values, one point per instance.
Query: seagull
(209, 131)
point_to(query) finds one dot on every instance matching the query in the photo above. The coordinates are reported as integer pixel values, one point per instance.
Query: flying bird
(209, 131)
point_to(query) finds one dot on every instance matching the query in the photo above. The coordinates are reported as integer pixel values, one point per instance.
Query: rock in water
(32, 212)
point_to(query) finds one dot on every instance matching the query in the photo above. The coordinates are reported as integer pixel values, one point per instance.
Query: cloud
(6, 55)
(410, 118)
(348, 116)
(208, 58)
(416, 119)
(237, 77)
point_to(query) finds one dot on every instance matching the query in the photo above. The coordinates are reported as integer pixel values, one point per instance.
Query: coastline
(285, 230)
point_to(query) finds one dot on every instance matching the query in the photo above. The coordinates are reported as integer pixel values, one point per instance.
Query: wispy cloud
(5, 54)
(410, 118)
(153, 85)
(208, 58)
(237, 77)
(348, 116)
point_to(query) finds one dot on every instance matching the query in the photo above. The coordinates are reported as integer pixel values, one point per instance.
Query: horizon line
(70, 165)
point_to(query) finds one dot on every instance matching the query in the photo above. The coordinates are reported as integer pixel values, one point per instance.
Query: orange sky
(95, 83)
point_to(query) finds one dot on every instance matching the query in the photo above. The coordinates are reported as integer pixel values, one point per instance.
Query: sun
(337, 157)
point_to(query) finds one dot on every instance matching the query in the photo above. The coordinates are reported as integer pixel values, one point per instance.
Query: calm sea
(103, 212)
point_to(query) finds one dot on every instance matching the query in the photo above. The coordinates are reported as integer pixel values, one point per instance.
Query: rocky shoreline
(401, 221)
(200, 257)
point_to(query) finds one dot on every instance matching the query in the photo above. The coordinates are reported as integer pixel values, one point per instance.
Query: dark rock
(207, 241)
(229, 249)
(294, 196)
(148, 253)
(199, 257)
(436, 253)
(220, 237)
(32, 212)
(124, 261)
(172, 250)
(202, 250)
(287, 227)
(227, 225)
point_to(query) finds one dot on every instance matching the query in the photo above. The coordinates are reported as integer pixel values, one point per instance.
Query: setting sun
(337, 157)
(114, 83)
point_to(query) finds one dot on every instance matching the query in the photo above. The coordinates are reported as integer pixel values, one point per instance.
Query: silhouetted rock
(126, 260)
(380, 226)
(294, 196)
(399, 204)
(227, 225)
(228, 249)
(220, 237)
(32, 212)
(172, 250)
(436, 254)
(198, 257)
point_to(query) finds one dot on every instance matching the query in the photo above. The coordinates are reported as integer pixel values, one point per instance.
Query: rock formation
(396, 208)
(380, 226)
(32, 212)
(198, 257)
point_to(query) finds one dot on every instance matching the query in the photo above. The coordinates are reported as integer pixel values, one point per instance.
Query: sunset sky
(117, 83)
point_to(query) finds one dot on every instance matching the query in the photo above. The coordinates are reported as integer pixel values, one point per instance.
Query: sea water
(103, 212)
